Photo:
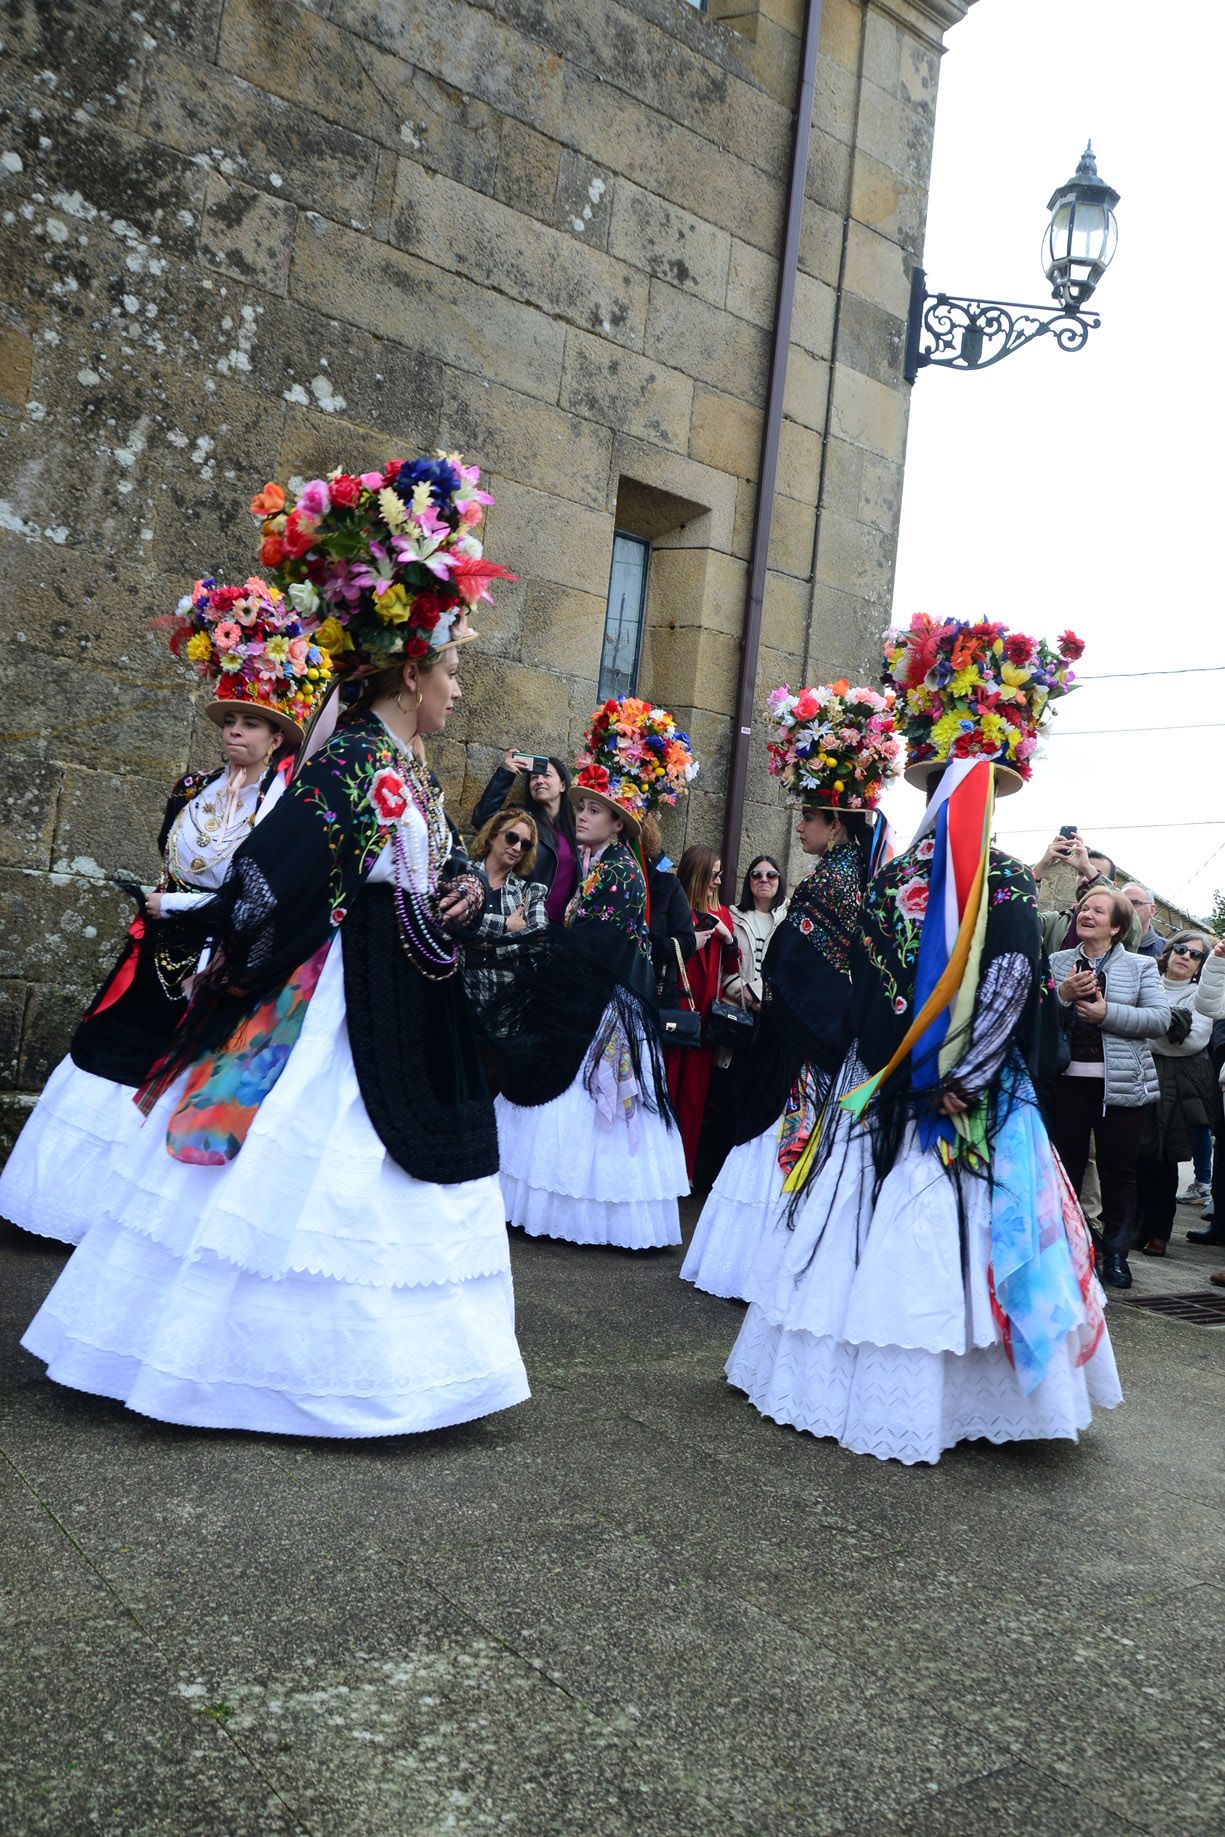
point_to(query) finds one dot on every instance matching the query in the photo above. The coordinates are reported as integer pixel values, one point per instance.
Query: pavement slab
(630, 1607)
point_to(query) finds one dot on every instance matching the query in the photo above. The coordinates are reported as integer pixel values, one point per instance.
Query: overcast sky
(1084, 489)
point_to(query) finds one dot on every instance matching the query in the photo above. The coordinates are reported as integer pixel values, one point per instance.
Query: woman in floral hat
(51, 1181)
(936, 1283)
(589, 1148)
(307, 1237)
(834, 749)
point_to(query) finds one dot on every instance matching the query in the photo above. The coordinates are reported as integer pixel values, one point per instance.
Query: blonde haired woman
(514, 910)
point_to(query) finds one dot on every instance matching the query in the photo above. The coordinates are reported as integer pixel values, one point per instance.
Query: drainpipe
(767, 473)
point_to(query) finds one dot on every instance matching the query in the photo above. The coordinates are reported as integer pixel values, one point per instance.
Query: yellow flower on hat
(199, 646)
(332, 636)
(393, 606)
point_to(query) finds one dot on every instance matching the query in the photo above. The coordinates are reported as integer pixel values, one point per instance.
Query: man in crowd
(1093, 869)
(1151, 941)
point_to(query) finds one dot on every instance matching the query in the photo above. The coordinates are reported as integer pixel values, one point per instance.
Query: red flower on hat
(344, 490)
(272, 551)
(389, 795)
(594, 778)
(1070, 646)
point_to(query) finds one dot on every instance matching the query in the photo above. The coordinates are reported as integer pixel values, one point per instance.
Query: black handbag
(728, 1024)
(681, 1027)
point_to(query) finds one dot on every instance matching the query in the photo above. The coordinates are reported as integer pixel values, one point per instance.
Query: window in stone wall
(627, 598)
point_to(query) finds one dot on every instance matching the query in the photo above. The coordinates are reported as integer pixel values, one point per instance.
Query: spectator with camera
(1113, 1006)
(1093, 869)
(539, 784)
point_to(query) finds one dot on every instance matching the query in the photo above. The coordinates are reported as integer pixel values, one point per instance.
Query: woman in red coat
(700, 873)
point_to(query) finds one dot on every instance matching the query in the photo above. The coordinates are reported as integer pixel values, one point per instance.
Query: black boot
(1214, 1236)
(1115, 1273)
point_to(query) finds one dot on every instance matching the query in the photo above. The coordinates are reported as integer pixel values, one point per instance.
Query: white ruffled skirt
(60, 1164)
(310, 1286)
(568, 1174)
(743, 1209)
(862, 1326)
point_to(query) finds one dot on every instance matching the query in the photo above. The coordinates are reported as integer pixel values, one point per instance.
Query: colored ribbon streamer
(964, 828)
(124, 976)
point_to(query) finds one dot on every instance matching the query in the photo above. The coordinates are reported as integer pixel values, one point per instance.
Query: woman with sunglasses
(1186, 1082)
(761, 909)
(515, 908)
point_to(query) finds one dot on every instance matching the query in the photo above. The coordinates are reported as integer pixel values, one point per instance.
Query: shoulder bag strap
(680, 964)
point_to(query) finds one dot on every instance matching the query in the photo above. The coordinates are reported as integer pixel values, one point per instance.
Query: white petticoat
(743, 1208)
(60, 1164)
(310, 1286)
(874, 1337)
(566, 1175)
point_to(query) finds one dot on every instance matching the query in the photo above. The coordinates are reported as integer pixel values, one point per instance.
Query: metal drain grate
(1200, 1308)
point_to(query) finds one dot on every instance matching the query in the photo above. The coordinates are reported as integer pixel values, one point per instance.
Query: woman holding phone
(539, 783)
(700, 873)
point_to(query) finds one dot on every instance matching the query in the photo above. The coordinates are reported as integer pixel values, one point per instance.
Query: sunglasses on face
(763, 874)
(1188, 950)
(513, 840)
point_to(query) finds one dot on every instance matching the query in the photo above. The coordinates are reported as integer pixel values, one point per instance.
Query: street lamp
(970, 334)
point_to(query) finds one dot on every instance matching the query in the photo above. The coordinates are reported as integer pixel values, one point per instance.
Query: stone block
(843, 476)
(526, 440)
(725, 433)
(708, 344)
(882, 50)
(871, 339)
(76, 710)
(918, 77)
(845, 635)
(527, 170)
(880, 493)
(563, 629)
(414, 303)
(676, 586)
(842, 25)
(52, 1016)
(201, 524)
(806, 392)
(799, 461)
(59, 928)
(792, 529)
(16, 361)
(12, 1014)
(789, 14)
(746, 504)
(894, 132)
(312, 444)
(549, 538)
(812, 319)
(618, 387)
(821, 242)
(752, 285)
(711, 737)
(314, 363)
(724, 593)
(772, 53)
(892, 203)
(674, 476)
(868, 413)
(247, 234)
(855, 557)
(464, 233)
(785, 612)
(583, 203)
(446, 129)
(836, 99)
(876, 270)
(27, 804)
(828, 178)
(114, 177)
(513, 703)
(94, 56)
(245, 133)
(113, 819)
(669, 243)
(684, 664)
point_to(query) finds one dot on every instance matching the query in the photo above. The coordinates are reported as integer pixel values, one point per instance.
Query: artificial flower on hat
(255, 646)
(976, 690)
(833, 746)
(388, 561)
(634, 756)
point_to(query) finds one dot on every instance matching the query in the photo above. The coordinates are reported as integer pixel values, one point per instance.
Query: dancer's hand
(153, 903)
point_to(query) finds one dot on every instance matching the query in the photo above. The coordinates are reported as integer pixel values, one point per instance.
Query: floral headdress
(256, 647)
(833, 746)
(387, 561)
(975, 691)
(634, 757)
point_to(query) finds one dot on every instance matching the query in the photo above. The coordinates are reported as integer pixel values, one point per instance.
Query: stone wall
(250, 239)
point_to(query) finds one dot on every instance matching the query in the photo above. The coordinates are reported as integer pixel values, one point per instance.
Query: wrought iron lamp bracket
(968, 334)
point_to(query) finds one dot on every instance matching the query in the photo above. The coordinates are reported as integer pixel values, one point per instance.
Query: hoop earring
(400, 701)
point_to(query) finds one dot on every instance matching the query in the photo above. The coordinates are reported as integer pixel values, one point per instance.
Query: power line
(1205, 669)
(1201, 869)
(1080, 733)
(1215, 822)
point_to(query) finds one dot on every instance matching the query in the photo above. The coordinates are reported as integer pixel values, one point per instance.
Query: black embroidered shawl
(806, 971)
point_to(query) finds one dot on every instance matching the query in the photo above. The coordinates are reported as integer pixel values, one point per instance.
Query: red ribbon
(122, 980)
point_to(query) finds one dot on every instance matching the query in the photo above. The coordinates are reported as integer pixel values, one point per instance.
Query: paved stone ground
(630, 1606)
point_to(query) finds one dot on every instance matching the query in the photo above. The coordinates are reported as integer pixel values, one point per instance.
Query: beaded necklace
(431, 952)
(202, 839)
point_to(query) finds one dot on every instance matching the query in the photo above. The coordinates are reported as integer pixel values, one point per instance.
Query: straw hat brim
(633, 824)
(1006, 780)
(289, 728)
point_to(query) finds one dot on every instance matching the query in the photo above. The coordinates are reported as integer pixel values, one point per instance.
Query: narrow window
(627, 598)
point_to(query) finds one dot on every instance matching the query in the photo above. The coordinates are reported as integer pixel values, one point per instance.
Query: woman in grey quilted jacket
(1114, 1004)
